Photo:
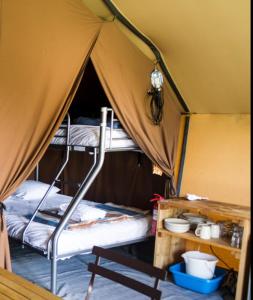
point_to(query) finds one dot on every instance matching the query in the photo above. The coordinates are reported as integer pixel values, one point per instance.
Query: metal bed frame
(52, 252)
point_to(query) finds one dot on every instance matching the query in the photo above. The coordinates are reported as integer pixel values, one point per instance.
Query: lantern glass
(156, 79)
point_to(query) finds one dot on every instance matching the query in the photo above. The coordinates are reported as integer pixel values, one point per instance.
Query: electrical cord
(229, 284)
(156, 105)
(220, 259)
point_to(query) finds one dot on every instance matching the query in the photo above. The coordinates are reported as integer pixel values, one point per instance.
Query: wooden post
(240, 292)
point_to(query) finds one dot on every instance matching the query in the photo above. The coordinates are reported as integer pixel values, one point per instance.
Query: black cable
(220, 259)
(228, 287)
(156, 105)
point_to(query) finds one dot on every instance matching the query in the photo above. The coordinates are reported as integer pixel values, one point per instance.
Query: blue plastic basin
(204, 286)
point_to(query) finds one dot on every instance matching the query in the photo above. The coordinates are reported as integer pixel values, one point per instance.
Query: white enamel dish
(177, 225)
(194, 218)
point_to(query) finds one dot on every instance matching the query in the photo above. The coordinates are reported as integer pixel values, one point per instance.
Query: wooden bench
(15, 287)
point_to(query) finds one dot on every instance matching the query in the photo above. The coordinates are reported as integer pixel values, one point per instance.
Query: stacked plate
(194, 219)
(177, 225)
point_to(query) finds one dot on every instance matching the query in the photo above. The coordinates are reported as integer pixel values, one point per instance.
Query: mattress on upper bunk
(79, 239)
(88, 136)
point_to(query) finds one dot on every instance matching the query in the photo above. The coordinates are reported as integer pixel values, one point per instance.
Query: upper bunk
(90, 110)
(86, 133)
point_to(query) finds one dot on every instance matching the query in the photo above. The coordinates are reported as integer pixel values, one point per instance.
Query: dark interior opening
(126, 177)
(90, 96)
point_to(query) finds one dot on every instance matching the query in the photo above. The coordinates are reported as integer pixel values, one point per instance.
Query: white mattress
(87, 135)
(70, 240)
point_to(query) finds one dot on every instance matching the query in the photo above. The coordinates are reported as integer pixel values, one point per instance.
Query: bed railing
(67, 136)
(58, 139)
(111, 127)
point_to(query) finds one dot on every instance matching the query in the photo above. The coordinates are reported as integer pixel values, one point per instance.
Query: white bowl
(177, 225)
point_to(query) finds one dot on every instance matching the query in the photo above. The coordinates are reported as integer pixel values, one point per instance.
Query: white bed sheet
(70, 240)
(87, 135)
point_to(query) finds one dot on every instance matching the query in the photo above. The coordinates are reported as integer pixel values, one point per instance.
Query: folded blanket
(113, 213)
(84, 212)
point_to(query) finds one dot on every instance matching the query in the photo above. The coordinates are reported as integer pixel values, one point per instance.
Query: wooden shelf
(221, 243)
(169, 246)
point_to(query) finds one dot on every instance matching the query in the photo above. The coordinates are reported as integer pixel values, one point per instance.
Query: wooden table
(15, 287)
(169, 246)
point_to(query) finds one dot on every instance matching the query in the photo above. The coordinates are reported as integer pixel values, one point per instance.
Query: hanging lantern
(157, 79)
(156, 101)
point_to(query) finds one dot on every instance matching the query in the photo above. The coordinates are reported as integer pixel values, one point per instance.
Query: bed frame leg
(53, 275)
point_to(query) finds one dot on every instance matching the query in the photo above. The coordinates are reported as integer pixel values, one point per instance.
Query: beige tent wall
(206, 45)
(102, 11)
(217, 163)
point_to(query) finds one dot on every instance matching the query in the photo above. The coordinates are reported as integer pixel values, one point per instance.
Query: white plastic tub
(200, 264)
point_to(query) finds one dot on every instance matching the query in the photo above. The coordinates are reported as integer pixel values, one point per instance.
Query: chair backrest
(140, 266)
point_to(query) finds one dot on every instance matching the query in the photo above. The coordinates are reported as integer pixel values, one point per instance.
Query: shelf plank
(236, 212)
(221, 243)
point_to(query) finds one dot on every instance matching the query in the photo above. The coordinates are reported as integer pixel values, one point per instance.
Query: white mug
(203, 231)
(215, 231)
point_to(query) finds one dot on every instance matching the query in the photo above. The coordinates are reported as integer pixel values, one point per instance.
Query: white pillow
(33, 190)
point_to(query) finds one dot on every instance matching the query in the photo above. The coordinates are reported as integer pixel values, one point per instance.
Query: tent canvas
(42, 58)
(126, 178)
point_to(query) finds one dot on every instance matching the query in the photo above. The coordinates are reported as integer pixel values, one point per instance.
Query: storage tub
(204, 286)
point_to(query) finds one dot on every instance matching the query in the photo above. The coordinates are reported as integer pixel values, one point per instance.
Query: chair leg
(156, 285)
(91, 283)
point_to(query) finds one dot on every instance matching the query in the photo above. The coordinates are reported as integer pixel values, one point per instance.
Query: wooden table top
(220, 208)
(15, 287)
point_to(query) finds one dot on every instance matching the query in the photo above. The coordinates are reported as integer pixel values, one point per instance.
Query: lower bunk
(114, 225)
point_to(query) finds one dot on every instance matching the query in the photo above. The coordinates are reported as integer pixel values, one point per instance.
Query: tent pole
(182, 159)
(114, 10)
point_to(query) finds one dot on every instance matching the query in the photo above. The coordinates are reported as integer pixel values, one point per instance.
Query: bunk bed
(58, 239)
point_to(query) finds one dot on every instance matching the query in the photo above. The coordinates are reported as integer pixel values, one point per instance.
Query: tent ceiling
(206, 46)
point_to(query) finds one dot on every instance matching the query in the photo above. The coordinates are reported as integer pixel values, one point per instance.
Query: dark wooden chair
(140, 266)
